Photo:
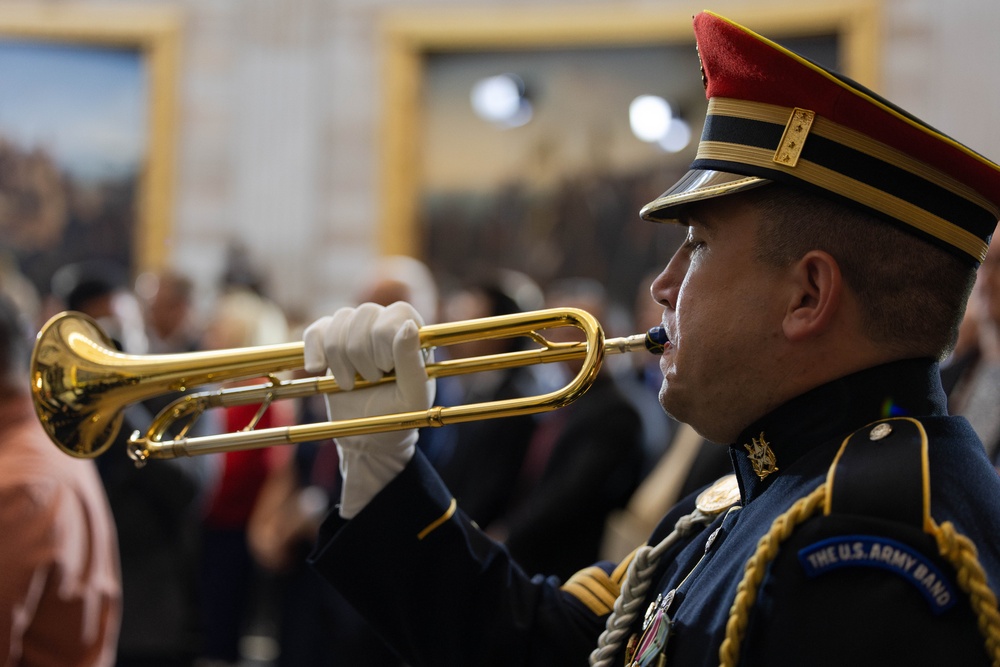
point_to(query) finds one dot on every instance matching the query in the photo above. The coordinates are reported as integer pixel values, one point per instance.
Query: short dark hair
(15, 345)
(912, 293)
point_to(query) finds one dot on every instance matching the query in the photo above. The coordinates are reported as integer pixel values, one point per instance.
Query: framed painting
(87, 124)
(558, 195)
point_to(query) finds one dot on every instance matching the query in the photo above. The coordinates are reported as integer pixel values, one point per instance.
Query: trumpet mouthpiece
(656, 340)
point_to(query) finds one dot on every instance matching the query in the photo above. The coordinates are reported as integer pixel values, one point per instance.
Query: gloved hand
(369, 341)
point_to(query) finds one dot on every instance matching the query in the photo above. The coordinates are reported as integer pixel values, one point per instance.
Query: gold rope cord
(637, 580)
(753, 574)
(957, 549)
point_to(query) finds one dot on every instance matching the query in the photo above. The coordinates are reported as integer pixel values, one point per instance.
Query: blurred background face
(987, 290)
(168, 306)
(472, 304)
(387, 292)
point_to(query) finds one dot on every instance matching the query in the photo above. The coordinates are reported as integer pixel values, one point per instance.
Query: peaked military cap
(774, 116)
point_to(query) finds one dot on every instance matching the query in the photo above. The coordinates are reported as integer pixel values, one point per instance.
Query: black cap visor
(697, 185)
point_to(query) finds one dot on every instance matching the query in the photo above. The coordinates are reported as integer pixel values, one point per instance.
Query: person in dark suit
(832, 242)
(583, 461)
(481, 460)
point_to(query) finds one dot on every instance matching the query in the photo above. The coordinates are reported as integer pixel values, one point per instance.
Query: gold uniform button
(880, 432)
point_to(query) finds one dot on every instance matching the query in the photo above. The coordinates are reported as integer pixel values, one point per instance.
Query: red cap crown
(775, 116)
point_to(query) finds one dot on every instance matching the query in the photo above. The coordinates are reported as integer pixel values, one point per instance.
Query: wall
(278, 123)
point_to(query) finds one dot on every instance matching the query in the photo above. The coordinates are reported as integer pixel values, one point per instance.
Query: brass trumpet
(81, 385)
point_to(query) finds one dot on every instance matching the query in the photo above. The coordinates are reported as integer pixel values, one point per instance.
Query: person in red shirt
(242, 318)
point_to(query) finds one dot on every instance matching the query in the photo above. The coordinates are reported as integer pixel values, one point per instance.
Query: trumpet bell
(81, 384)
(71, 399)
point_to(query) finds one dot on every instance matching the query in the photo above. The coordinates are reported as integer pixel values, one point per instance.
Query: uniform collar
(833, 410)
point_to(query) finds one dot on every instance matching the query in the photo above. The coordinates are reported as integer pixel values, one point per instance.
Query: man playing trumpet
(832, 243)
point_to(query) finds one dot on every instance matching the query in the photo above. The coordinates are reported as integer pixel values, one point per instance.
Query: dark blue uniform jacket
(861, 582)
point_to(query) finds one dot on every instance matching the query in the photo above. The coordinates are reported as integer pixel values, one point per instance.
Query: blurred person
(168, 297)
(401, 278)
(156, 508)
(98, 288)
(659, 427)
(278, 522)
(832, 241)
(583, 461)
(20, 290)
(481, 460)
(317, 627)
(231, 586)
(60, 582)
(973, 376)
(679, 461)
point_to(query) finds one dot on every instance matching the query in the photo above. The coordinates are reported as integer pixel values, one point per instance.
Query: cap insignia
(794, 137)
(761, 457)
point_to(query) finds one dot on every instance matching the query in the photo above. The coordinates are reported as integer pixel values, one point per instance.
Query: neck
(801, 368)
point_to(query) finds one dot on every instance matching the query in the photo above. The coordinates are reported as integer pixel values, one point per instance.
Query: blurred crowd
(212, 550)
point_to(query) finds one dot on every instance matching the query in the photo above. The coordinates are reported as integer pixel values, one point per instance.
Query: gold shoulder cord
(957, 549)
(753, 573)
(960, 551)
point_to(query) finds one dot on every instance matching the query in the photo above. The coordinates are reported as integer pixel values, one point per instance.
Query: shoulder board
(881, 471)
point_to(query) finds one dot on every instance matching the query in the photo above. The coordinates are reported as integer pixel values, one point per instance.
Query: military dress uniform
(861, 524)
(444, 594)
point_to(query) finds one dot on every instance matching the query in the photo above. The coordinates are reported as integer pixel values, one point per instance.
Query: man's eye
(693, 244)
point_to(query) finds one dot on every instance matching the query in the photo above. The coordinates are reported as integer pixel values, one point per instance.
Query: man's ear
(816, 296)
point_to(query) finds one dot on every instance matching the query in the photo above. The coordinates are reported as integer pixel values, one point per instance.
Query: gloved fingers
(360, 341)
(412, 383)
(364, 342)
(386, 328)
(335, 338)
(313, 348)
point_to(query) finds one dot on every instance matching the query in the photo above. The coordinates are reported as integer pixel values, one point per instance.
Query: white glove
(371, 340)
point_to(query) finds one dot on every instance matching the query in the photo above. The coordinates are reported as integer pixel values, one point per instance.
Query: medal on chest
(646, 650)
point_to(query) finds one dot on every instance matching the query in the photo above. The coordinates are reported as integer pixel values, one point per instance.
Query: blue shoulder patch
(872, 551)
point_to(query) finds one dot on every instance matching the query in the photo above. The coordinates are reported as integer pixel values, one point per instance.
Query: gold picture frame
(153, 33)
(408, 37)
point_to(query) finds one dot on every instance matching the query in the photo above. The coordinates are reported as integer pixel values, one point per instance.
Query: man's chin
(670, 403)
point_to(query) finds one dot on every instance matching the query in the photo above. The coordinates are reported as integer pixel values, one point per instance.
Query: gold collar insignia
(761, 456)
